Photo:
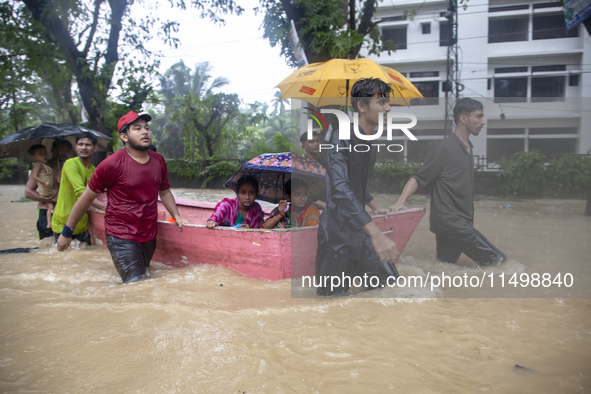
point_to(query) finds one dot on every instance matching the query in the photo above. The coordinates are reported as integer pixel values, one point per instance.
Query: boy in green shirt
(75, 176)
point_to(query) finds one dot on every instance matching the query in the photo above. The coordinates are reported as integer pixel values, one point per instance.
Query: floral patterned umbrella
(272, 170)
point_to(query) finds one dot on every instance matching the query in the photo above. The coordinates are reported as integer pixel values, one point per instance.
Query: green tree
(278, 124)
(278, 103)
(183, 93)
(179, 80)
(94, 36)
(522, 173)
(327, 28)
(206, 122)
(35, 80)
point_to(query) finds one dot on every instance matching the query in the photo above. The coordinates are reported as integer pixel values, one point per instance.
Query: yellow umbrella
(328, 83)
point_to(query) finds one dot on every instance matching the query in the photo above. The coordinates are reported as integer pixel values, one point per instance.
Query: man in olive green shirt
(76, 174)
(449, 173)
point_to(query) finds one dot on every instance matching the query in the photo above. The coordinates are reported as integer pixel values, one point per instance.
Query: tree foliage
(522, 173)
(197, 120)
(98, 40)
(525, 173)
(35, 79)
(209, 123)
(327, 28)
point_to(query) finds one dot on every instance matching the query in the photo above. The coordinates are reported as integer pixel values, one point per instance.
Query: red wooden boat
(256, 253)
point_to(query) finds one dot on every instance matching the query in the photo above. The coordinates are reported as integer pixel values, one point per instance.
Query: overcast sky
(235, 51)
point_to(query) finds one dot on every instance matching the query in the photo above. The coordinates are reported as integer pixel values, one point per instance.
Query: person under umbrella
(61, 150)
(242, 211)
(46, 182)
(272, 170)
(295, 211)
(350, 245)
(57, 137)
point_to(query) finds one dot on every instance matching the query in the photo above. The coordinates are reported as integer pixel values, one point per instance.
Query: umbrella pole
(347, 96)
(59, 172)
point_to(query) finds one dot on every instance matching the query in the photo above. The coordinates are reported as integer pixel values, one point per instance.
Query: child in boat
(43, 175)
(242, 211)
(296, 205)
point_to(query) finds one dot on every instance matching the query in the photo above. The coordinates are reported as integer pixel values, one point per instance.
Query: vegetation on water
(529, 173)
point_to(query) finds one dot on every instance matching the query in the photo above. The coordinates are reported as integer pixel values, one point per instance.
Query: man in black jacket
(350, 245)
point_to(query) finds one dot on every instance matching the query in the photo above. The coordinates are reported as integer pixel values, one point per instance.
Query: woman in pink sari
(242, 211)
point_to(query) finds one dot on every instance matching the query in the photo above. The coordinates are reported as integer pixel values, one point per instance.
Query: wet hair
(89, 135)
(304, 136)
(464, 106)
(298, 183)
(364, 89)
(247, 180)
(34, 148)
(58, 143)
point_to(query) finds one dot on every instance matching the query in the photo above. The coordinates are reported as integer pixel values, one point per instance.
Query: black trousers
(42, 229)
(332, 264)
(82, 237)
(472, 243)
(130, 258)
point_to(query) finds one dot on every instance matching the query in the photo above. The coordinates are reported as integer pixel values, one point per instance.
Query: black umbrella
(18, 144)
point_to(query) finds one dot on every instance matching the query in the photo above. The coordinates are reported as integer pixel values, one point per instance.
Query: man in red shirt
(134, 177)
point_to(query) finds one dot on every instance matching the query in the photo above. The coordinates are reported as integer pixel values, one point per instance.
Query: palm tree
(177, 84)
(178, 81)
(278, 103)
(201, 77)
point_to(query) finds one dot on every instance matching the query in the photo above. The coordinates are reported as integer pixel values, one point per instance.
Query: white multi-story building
(515, 56)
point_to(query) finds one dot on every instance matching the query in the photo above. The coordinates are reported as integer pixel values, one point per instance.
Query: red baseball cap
(131, 117)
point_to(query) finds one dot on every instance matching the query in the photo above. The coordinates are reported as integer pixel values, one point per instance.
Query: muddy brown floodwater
(69, 325)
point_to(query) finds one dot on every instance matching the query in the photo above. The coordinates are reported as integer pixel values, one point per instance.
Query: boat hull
(264, 254)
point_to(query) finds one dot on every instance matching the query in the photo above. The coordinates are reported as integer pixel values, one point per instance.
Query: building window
(444, 34)
(573, 80)
(553, 146)
(552, 130)
(426, 28)
(511, 90)
(394, 38)
(508, 29)
(424, 74)
(554, 67)
(430, 92)
(551, 26)
(505, 70)
(419, 150)
(496, 148)
(554, 4)
(425, 132)
(506, 131)
(547, 89)
(509, 8)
